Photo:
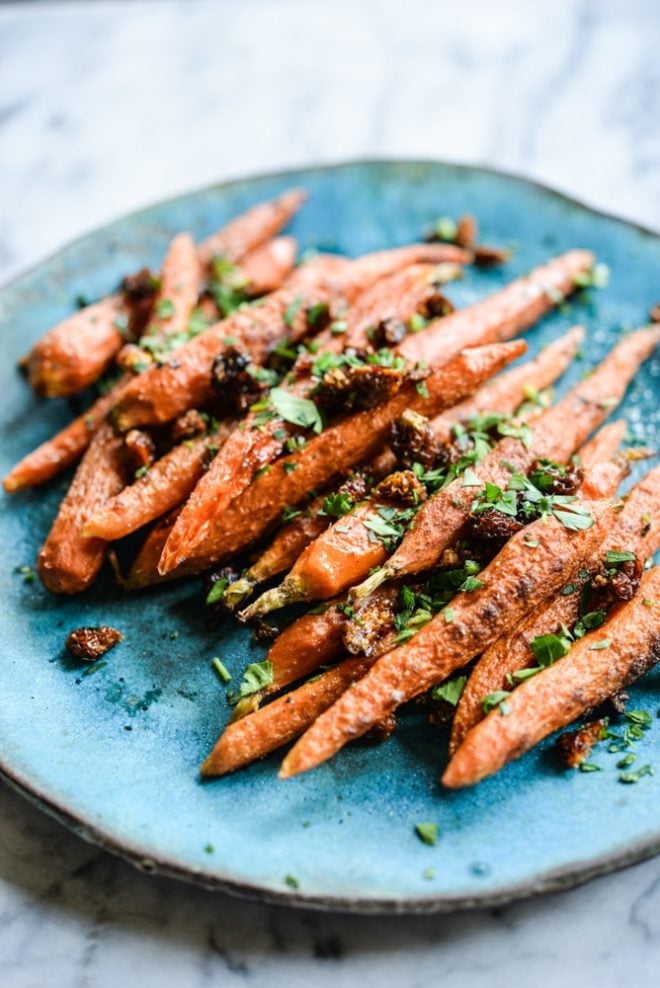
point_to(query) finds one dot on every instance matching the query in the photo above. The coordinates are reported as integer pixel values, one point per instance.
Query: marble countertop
(105, 107)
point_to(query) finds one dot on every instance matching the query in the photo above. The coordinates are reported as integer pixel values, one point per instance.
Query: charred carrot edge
(557, 433)
(61, 450)
(557, 695)
(517, 580)
(512, 651)
(67, 562)
(267, 729)
(345, 552)
(265, 268)
(334, 451)
(250, 449)
(78, 350)
(167, 483)
(252, 228)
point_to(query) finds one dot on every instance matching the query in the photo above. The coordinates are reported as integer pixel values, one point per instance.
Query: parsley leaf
(299, 411)
(450, 691)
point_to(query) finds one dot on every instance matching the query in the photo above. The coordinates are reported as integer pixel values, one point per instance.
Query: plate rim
(142, 858)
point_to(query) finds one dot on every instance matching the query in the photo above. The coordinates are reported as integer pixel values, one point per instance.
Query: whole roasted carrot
(517, 580)
(348, 550)
(335, 450)
(513, 651)
(68, 562)
(266, 267)
(167, 483)
(556, 435)
(598, 665)
(270, 727)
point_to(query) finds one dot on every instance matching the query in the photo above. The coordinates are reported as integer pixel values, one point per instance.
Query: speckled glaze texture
(113, 749)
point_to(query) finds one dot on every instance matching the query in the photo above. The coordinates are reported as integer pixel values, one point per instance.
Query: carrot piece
(167, 483)
(251, 228)
(512, 584)
(512, 651)
(328, 455)
(266, 267)
(585, 677)
(557, 433)
(313, 640)
(509, 389)
(144, 569)
(63, 449)
(180, 282)
(67, 562)
(75, 353)
(267, 729)
(603, 445)
(162, 393)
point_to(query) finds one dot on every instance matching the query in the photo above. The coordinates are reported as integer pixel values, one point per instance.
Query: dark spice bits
(139, 451)
(403, 488)
(89, 644)
(576, 746)
(413, 441)
(350, 388)
(189, 425)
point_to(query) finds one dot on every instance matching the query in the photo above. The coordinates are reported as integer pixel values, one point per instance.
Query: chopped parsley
(337, 505)
(605, 643)
(632, 777)
(292, 311)
(26, 571)
(221, 670)
(450, 691)
(427, 833)
(296, 410)
(216, 591)
(495, 699)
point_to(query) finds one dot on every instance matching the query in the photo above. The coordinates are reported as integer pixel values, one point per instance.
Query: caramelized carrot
(266, 267)
(76, 352)
(67, 562)
(557, 433)
(180, 282)
(513, 652)
(167, 483)
(267, 729)
(253, 227)
(144, 569)
(604, 661)
(511, 585)
(330, 454)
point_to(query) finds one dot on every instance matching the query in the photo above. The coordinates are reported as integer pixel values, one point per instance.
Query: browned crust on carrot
(266, 267)
(162, 393)
(513, 583)
(313, 640)
(557, 695)
(76, 352)
(61, 450)
(339, 447)
(252, 227)
(512, 651)
(167, 483)
(68, 562)
(278, 722)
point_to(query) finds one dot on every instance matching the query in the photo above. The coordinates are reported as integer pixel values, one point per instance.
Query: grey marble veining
(107, 106)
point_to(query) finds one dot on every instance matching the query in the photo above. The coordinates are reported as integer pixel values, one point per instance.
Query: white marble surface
(106, 106)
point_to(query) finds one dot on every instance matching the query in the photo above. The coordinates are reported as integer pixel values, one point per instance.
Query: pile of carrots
(336, 422)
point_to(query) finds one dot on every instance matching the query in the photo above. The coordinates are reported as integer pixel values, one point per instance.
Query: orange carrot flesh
(167, 483)
(513, 651)
(280, 721)
(75, 353)
(503, 315)
(266, 267)
(604, 444)
(512, 584)
(180, 283)
(63, 449)
(251, 228)
(144, 569)
(582, 679)
(313, 640)
(334, 451)
(556, 435)
(68, 562)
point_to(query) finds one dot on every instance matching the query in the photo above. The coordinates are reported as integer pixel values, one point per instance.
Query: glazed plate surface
(112, 750)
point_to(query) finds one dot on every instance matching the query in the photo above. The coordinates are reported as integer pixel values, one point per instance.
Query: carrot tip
(237, 592)
(288, 592)
(368, 586)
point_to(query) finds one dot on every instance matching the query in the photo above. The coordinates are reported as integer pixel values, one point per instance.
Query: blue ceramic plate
(112, 750)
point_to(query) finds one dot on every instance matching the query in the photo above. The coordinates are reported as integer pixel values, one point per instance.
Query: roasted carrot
(144, 569)
(266, 267)
(330, 454)
(512, 652)
(604, 661)
(76, 352)
(510, 586)
(270, 727)
(347, 551)
(67, 562)
(252, 228)
(167, 483)
(556, 435)
(180, 281)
